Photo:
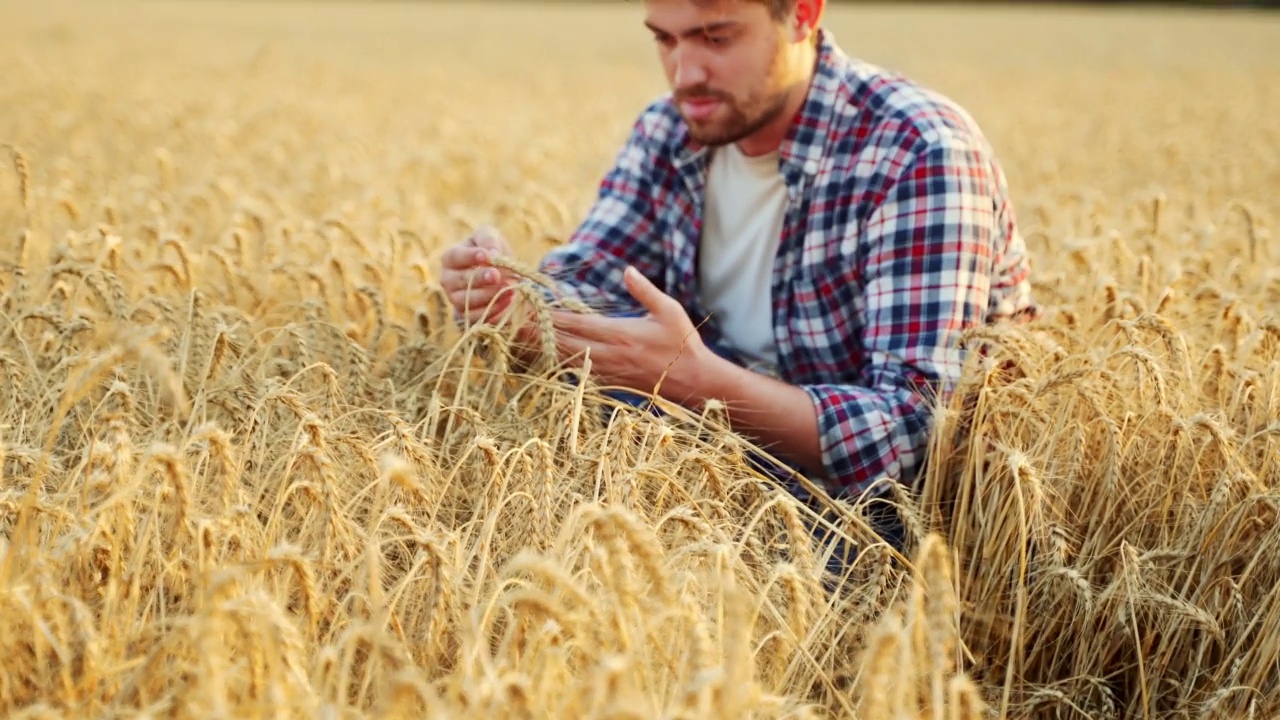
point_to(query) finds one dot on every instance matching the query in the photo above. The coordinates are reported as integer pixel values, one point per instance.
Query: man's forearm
(780, 417)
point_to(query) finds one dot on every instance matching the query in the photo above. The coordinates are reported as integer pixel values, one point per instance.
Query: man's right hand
(471, 282)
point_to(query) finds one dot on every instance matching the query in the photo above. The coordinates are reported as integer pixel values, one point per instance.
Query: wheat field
(250, 468)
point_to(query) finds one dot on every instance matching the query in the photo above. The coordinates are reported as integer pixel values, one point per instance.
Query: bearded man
(797, 234)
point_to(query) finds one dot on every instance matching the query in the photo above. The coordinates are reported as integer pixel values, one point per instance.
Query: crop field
(250, 468)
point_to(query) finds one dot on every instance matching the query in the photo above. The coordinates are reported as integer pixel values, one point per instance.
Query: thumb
(486, 237)
(648, 294)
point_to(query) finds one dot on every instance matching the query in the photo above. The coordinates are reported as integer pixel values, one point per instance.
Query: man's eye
(663, 40)
(717, 40)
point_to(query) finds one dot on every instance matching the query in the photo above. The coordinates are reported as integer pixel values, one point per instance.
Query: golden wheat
(250, 467)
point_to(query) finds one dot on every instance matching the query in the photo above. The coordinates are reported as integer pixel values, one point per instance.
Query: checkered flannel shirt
(899, 234)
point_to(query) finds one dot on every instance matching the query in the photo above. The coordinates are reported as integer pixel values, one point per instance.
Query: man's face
(724, 60)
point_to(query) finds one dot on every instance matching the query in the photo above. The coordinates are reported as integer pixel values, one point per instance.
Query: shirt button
(811, 167)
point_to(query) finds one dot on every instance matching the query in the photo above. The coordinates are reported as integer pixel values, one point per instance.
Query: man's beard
(738, 124)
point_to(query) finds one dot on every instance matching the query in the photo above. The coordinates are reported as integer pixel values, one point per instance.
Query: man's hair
(777, 8)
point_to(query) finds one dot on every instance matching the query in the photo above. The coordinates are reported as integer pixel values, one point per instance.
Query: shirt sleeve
(619, 230)
(925, 259)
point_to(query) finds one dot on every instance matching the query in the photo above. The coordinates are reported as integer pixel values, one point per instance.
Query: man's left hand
(661, 351)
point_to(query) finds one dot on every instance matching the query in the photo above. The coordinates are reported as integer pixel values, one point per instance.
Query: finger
(481, 278)
(488, 312)
(487, 237)
(474, 316)
(527, 333)
(462, 257)
(467, 299)
(475, 298)
(499, 306)
(573, 349)
(653, 299)
(585, 326)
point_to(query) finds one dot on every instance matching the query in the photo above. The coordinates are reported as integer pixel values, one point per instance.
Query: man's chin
(711, 136)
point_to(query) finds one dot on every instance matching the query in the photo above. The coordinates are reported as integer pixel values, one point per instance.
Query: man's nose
(689, 70)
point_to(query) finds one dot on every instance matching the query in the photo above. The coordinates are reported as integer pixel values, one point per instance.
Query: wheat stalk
(249, 467)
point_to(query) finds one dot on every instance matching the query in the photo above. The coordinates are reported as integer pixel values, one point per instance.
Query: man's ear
(806, 15)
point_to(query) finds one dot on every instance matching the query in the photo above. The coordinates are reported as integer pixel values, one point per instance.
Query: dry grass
(249, 468)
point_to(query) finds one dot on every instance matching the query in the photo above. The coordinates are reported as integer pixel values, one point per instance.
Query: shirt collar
(807, 138)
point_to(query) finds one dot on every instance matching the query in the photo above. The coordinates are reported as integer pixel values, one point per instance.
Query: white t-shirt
(744, 207)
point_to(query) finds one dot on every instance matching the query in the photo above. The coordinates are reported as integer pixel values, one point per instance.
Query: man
(799, 235)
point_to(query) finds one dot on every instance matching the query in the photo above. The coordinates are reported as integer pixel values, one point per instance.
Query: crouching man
(795, 233)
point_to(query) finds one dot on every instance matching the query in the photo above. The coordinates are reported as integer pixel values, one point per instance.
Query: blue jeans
(881, 515)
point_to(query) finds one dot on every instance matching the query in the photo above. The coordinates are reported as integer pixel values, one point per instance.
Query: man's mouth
(699, 108)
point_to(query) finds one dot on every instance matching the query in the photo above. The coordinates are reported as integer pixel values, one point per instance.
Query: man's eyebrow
(699, 30)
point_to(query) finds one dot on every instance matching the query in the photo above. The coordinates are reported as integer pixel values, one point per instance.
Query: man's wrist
(704, 378)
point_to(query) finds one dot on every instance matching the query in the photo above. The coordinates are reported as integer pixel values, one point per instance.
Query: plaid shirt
(899, 234)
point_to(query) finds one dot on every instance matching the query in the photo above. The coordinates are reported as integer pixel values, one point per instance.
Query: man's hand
(661, 351)
(471, 282)
(664, 349)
